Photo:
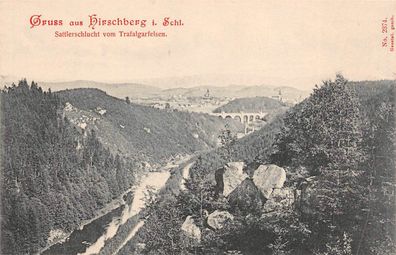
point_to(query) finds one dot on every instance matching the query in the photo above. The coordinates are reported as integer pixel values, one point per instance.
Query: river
(91, 238)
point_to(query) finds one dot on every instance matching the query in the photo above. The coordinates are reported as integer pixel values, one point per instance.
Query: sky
(291, 43)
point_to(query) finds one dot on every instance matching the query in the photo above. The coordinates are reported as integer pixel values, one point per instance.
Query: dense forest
(66, 155)
(144, 133)
(52, 176)
(338, 150)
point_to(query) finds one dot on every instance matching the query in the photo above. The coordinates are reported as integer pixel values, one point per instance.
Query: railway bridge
(243, 117)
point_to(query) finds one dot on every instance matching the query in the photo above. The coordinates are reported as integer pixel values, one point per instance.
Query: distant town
(207, 103)
(203, 104)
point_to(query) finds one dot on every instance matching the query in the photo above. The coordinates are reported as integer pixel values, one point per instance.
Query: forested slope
(141, 132)
(66, 155)
(338, 150)
(52, 177)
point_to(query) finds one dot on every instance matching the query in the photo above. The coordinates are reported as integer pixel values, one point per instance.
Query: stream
(91, 238)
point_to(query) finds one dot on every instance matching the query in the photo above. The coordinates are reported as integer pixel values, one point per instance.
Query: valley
(90, 238)
(87, 172)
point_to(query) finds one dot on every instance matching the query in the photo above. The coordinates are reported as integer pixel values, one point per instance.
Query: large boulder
(280, 199)
(246, 197)
(218, 219)
(229, 177)
(191, 230)
(269, 177)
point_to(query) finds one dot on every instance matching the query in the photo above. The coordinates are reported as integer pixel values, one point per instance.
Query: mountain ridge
(135, 130)
(137, 89)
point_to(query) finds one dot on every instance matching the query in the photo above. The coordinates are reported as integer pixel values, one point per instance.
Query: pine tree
(324, 135)
(227, 140)
(50, 185)
(323, 130)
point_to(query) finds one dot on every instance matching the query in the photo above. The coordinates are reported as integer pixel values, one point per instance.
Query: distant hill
(251, 104)
(141, 132)
(198, 91)
(288, 93)
(239, 91)
(120, 90)
(138, 90)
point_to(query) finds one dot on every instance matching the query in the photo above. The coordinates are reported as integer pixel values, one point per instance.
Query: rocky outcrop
(269, 177)
(246, 197)
(233, 175)
(191, 230)
(218, 219)
(139, 248)
(280, 199)
(256, 189)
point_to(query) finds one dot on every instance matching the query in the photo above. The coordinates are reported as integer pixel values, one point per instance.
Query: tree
(323, 130)
(227, 140)
(324, 135)
(161, 233)
(378, 235)
(50, 185)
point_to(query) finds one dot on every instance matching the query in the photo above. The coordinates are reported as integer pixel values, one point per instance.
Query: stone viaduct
(243, 117)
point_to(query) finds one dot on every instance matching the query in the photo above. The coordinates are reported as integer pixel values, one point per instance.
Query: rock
(218, 219)
(269, 177)
(139, 247)
(82, 125)
(55, 235)
(100, 110)
(146, 166)
(69, 107)
(233, 176)
(190, 229)
(233, 252)
(279, 199)
(246, 197)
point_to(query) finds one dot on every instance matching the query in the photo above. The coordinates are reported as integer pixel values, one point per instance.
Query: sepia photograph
(197, 127)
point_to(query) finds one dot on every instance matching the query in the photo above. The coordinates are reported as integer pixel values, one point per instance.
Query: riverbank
(173, 185)
(151, 182)
(93, 235)
(127, 231)
(113, 205)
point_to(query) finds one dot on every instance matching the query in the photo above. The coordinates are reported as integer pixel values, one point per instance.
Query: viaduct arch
(243, 117)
